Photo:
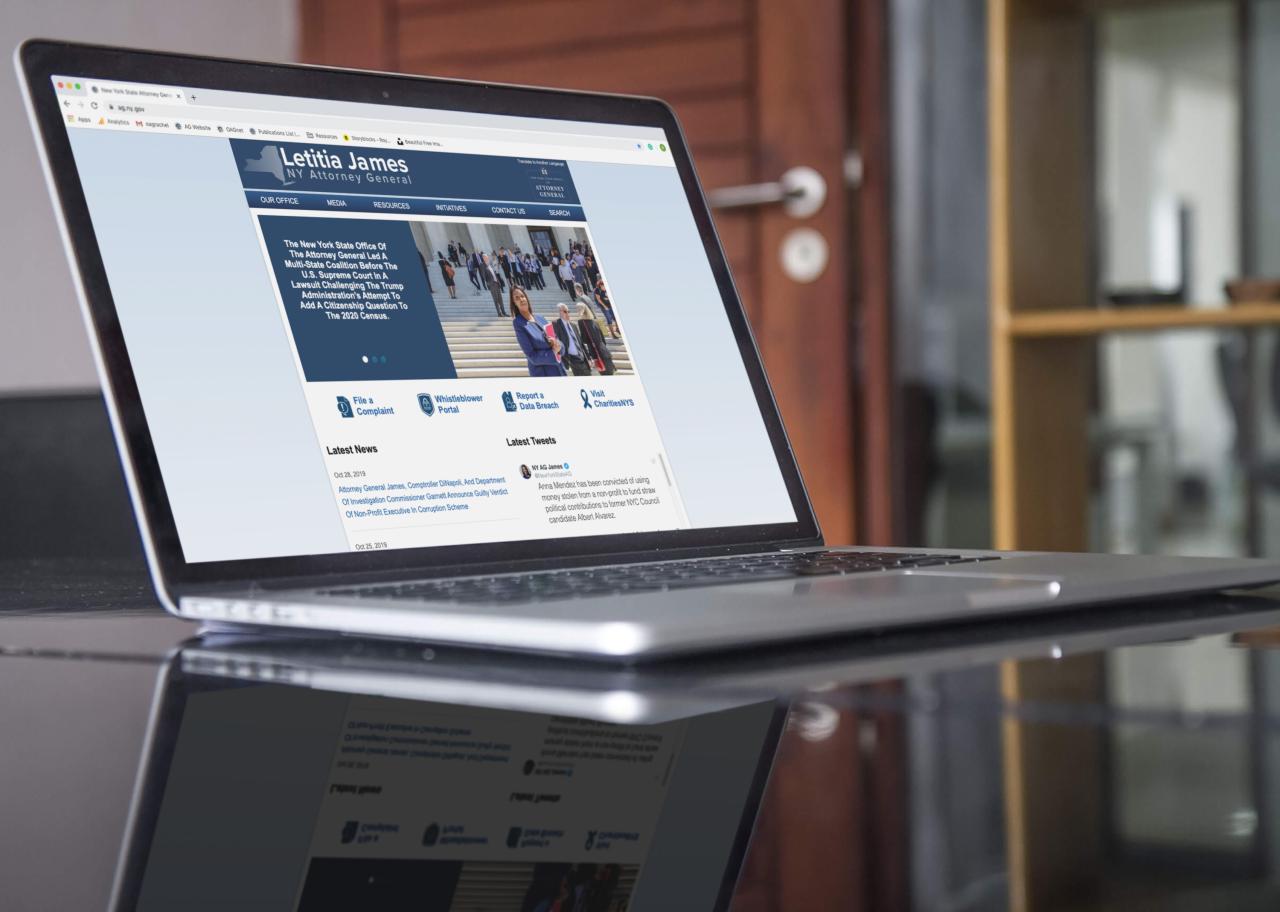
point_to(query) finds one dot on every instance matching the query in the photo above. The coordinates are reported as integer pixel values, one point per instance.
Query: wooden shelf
(1095, 321)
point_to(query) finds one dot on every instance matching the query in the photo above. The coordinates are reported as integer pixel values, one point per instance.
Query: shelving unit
(1046, 324)
(1044, 328)
(1045, 321)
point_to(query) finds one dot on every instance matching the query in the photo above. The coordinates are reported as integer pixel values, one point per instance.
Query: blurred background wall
(42, 344)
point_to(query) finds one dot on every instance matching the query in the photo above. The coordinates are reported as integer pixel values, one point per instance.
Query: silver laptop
(460, 363)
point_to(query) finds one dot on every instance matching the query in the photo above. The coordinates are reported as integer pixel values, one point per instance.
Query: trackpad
(990, 593)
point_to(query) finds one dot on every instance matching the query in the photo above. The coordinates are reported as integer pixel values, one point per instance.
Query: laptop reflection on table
(305, 799)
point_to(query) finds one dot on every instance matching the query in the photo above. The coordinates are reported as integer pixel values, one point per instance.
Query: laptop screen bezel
(42, 60)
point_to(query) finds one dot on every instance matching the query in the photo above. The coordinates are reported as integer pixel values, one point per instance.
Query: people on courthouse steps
(598, 355)
(541, 352)
(573, 349)
(493, 281)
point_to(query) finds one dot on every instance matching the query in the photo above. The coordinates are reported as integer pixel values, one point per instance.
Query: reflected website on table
(321, 801)
(357, 327)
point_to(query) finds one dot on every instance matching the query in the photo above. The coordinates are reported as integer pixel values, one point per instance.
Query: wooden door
(760, 87)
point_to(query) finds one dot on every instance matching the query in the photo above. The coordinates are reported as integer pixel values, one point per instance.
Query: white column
(480, 240)
(437, 238)
(520, 238)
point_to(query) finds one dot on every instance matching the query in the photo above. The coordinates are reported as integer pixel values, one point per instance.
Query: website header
(318, 167)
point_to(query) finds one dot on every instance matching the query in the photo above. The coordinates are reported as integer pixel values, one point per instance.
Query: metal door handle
(801, 191)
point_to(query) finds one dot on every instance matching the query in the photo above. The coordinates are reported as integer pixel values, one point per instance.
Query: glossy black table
(1117, 758)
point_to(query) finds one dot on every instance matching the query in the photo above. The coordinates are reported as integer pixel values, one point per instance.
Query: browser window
(357, 327)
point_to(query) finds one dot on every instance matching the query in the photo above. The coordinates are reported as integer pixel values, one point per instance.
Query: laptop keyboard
(655, 577)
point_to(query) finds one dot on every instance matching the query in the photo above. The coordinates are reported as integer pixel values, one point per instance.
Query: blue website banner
(356, 296)
(341, 168)
(407, 205)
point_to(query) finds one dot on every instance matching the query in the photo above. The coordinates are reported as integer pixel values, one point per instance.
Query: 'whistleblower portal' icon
(424, 402)
(268, 162)
(508, 401)
(344, 407)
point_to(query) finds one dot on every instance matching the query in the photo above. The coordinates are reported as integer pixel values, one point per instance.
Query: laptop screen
(362, 327)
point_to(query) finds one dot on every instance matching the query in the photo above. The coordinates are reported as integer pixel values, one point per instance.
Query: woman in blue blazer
(542, 353)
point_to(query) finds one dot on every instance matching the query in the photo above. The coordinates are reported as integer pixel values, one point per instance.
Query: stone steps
(468, 295)
(482, 343)
(522, 371)
(508, 345)
(501, 359)
(620, 366)
(483, 346)
(503, 330)
(464, 372)
(481, 310)
(502, 338)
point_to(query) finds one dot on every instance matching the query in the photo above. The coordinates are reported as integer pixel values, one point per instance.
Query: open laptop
(300, 284)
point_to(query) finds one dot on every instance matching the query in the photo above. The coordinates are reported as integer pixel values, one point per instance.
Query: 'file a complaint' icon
(344, 407)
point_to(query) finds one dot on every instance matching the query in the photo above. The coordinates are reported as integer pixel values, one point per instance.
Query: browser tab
(134, 91)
